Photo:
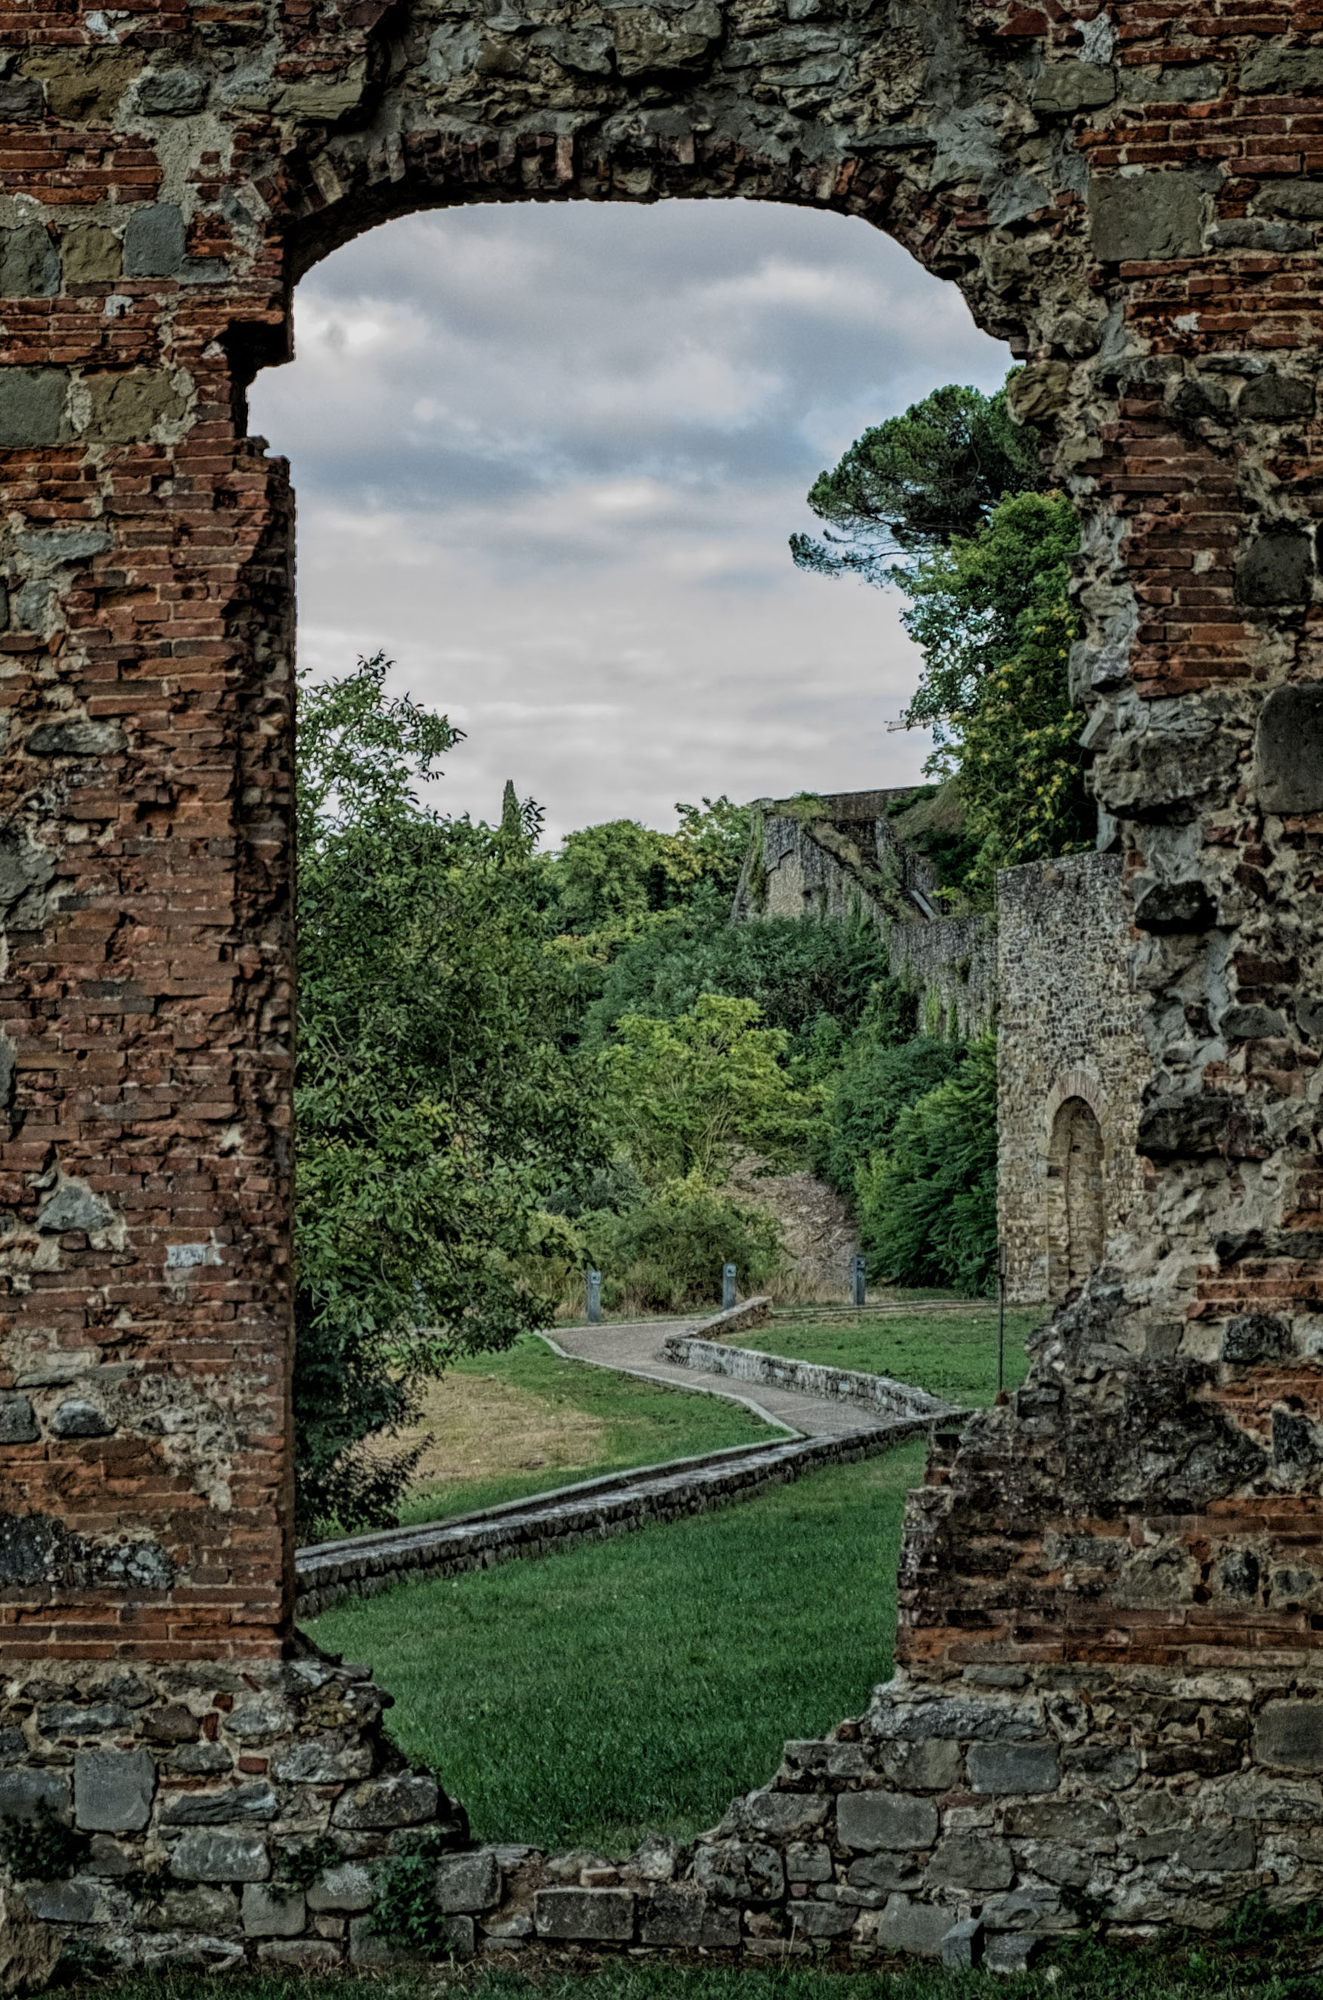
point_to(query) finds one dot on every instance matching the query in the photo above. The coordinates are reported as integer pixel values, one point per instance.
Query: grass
(950, 1354)
(525, 1421)
(644, 1682)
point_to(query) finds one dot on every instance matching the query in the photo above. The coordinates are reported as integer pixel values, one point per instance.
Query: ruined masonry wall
(1070, 1026)
(1111, 1596)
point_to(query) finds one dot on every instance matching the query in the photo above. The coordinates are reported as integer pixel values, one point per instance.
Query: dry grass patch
(483, 1427)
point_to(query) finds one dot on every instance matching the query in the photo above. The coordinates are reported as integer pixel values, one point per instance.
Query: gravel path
(636, 1350)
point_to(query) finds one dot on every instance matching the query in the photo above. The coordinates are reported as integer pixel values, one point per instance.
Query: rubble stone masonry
(1112, 1592)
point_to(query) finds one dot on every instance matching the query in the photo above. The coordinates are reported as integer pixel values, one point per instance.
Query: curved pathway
(634, 1348)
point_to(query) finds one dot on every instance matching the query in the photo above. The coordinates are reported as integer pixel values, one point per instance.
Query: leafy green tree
(866, 1096)
(434, 1108)
(913, 484)
(688, 1095)
(927, 1203)
(610, 880)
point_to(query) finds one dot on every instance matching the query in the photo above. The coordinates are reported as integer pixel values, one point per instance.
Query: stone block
(237, 1802)
(1149, 217)
(1301, 199)
(962, 1945)
(869, 1820)
(1201, 83)
(1276, 570)
(319, 1763)
(271, 1910)
(808, 1863)
(783, 1814)
(932, 1766)
(75, 1417)
(113, 1790)
(73, 1205)
(976, 1861)
(904, 1925)
(349, 1888)
(1288, 1736)
(367, 1948)
(171, 93)
(468, 1881)
(1066, 87)
(1252, 1024)
(1014, 1767)
(84, 86)
(1283, 72)
(33, 407)
(740, 1871)
(882, 1872)
(406, 1800)
(128, 407)
(92, 254)
(1288, 750)
(1169, 908)
(73, 1902)
(1221, 1850)
(29, 262)
(1276, 399)
(18, 1425)
(673, 1915)
(154, 241)
(822, 1920)
(1063, 1819)
(73, 739)
(21, 97)
(301, 1955)
(602, 1915)
(1011, 1952)
(1025, 1910)
(206, 1856)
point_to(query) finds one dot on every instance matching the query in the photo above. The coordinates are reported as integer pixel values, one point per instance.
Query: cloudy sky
(549, 458)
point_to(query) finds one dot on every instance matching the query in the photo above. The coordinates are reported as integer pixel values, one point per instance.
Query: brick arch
(1132, 221)
(1081, 1083)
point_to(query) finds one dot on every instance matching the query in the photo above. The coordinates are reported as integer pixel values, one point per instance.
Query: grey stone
(1288, 750)
(971, 1861)
(931, 1766)
(237, 1802)
(197, 1760)
(1284, 72)
(1023, 1910)
(367, 1948)
(81, 738)
(13, 1745)
(221, 1857)
(29, 262)
(655, 1858)
(783, 1814)
(269, 1910)
(587, 50)
(1255, 234)
(1067, 87)
(908, 1926)
(1252, 1024)
(252, 1720)
(17, 1423)
(1256, 1337)
(1171, 907)
(1288, 1735)
(406, 1800)
(1276, 1801)
(1216, 1851)
(71, 1902)
(951, 1720)
(64, 545)
(1276, 568)
(113, 1790)
(821, 1920)
(869, 1820)
(740, 1871)
(962, 1945)
(1202, 83)
(461, 1937)
(1063, 1819)
(171, 93)
(74, 1206)
(64, 1718)
(199, 1909)
(1297, 198)
(31, 606)
(1184, 1124)
(319, 1763)
(604, 1915)
(1145, 218)
(468, 1881)
(884, 1871)
(33, 406)
(805, 1863)
(154, 241)
(1014, 1767)
(24, 1793)
(77, 1418)
(674, 1914)
(301, 1955)
(1012, 1952)
(20, 98)
(347, 1888)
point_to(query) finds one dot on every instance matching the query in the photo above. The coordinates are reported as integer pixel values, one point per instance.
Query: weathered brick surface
(1131, 195)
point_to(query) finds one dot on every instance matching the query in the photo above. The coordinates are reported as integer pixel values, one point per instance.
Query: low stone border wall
(365, 1565)
(875, 1393)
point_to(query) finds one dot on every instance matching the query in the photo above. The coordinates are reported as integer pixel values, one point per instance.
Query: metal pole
(727, 1287)
(860, 1281)
(594, 1298)
(1001, 1321)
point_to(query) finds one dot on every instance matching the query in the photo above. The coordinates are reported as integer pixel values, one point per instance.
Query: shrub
(406, 1913)
(668, 1254)
(928, 1205)
(866, 1098)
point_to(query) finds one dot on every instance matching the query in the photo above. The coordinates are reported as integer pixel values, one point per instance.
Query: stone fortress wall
(1071, 1063)
(1111, 1601)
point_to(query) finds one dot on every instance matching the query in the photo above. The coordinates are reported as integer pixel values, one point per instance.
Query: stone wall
(1115, 1575)
(951, 967)
(834, 856)
(1071, 1032)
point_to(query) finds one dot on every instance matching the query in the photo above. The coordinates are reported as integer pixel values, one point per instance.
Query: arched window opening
(1076, 1216)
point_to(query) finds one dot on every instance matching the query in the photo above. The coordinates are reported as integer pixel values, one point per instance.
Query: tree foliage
(875, 1083)
(607, 881)
(434, 1107)
(913, 484)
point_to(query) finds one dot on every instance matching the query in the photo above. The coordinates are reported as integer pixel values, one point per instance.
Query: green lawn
(953, 1355)
(643, 1682)
(634, 1423)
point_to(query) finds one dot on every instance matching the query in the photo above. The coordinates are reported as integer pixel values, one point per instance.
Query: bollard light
(860, 1275)
(727, 1287)
(594, 1298)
